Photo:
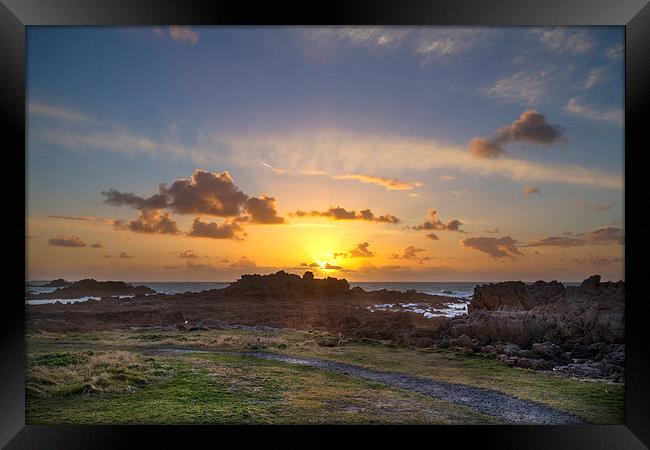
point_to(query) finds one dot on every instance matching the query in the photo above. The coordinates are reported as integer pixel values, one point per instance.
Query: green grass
(271, 392)
(211, 389)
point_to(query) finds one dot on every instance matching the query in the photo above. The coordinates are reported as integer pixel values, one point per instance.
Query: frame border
(15, 15)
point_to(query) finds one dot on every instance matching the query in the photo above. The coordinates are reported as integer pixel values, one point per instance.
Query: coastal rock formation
(578, 330)
(93, 288)
(59, 282)
(287, 285)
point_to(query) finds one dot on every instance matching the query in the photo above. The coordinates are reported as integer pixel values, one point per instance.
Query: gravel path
(511, 409)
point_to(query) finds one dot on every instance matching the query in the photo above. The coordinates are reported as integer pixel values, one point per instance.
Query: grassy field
(116, 377)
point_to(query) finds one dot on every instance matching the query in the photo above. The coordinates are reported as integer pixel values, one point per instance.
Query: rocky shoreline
(574, 331)
(578, 331)
(89, 288)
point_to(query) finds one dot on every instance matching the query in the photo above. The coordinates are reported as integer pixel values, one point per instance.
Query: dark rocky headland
(89, 288)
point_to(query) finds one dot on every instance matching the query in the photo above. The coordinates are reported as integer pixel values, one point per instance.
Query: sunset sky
(373, 154)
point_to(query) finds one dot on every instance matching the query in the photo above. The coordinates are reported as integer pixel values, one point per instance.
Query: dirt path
(511, 409)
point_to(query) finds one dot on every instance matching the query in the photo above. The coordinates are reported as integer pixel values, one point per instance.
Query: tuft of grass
(60, 359)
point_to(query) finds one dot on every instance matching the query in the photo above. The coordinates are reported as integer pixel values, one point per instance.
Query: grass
(216, 388)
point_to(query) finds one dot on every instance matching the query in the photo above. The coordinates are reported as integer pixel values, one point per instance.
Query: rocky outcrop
(286, 285)
(59, 282)
(578, 330)
(93, 288)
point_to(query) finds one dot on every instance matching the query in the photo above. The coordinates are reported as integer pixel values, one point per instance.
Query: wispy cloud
(595, 77)
(613, 115)
(615, 52)
(425, 43)
(66, 241)
(565, 40)
(336, 151)
(58, 112)
(529, 88)
(390, 184)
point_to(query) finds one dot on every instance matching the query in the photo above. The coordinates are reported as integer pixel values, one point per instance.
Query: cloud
(66, 241)
(390, 184)
(337, 151)
(596, 206)
(530, 128)
(124, 255)
(522, 87)
(529, 190)
(597, 260)
(80, 218)
(191, 265)
(339, 213)
(329, 266)
(595, 77)
(434, 223)
(244, 263)
(613, 115)
(447, 177)
(427, 44)
(206, 193)
(97, 245)
(556, 241)
(313, 265)
(183, 34)
(565, 40)
(605, 235)
(615, 52)
(262, 210)
(188, 254)
(411, 253)
(56, 112)
(361, 251)
(116, 198)
(215, 230)
(493, 231)
(149, 221)
(433, 236)
(504, 247)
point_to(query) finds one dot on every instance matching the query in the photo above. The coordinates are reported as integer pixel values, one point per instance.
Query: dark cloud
(361, 251)
(339, 213)
(124, 255)
(66, 241)
(80, 218)
(433, 236)
(434, 223)
(597, 260)
(493, 231)
(96, 245)
(313, 265)
(556, 241)
(191, 265)
(332, 267)
(205, 192)
(411, 252)
(606, 235)
(188, 254)
(530, 128)
(116, 198)
(495, 247)
(262, 210)
(215, 230)
(244, 263)
(150, 221)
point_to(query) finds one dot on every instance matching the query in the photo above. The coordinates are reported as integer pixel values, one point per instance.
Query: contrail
(265, 164)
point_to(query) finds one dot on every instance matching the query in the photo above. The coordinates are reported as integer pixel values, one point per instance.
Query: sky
(368, 153)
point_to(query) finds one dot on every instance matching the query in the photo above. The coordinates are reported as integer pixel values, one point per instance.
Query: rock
(288, 286)
(93, 288)
(547, 350)
(443, 343)
(464, 341)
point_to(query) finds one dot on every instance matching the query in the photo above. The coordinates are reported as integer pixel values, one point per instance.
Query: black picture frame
(15, 15)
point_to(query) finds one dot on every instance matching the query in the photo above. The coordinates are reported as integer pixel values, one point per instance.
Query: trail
(510, 409)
